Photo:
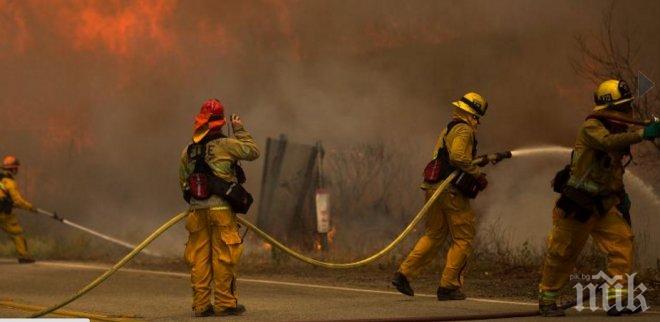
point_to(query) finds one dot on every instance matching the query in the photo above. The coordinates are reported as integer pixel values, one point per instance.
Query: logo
(606, 98)
(615, 295)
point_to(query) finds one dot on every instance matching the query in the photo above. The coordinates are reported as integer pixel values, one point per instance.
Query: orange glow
(216, 36)
(286, 27)
(331, 235)
(118, 27)
(64, 131)
(14, 35)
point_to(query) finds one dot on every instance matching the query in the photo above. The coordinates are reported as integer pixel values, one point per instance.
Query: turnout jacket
(597, 165)
(460, 147)
(9, 188)
(221, 154)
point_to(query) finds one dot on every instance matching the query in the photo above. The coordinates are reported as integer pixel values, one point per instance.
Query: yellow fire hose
(116, 267)
(420, 215)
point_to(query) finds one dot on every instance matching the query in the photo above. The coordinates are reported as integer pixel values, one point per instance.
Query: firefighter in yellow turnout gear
(214, 245)
(451, 214)
(10, 197)
(593, 201)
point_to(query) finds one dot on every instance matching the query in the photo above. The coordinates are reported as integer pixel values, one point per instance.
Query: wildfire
(119, 27)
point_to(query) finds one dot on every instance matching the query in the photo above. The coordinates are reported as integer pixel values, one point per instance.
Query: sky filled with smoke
(98, 97)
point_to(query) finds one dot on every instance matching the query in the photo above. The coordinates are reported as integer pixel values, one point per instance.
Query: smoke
(98, 97)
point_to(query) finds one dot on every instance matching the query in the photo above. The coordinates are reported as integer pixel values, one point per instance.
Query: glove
(652, 131)
(483, 162)
(482, 182)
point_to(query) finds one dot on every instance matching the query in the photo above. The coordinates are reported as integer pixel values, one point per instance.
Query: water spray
(67, 222)
(553, 149)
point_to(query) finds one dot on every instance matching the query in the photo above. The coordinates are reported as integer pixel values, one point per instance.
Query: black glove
(482, 182)
(483, 162)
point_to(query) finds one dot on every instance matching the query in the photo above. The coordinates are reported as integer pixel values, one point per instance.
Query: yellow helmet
(611, 93)
(472, 103)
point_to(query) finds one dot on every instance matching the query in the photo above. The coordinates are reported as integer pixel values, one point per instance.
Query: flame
(266, 246)
(120, 29)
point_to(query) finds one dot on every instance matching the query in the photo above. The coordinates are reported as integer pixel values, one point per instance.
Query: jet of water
(552, 149)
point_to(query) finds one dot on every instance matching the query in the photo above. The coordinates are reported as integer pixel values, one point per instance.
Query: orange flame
(118, 27)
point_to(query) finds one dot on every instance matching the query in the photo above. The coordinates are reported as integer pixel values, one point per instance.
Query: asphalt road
(165, 296)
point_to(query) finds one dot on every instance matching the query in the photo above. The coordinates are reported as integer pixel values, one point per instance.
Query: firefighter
(10, 198)
(214, 245)
(593, 201)
(451, 214)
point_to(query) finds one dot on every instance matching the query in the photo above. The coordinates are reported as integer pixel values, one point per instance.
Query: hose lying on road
(116, 267)
(420, 215)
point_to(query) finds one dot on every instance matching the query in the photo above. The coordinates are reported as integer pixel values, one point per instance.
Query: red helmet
(10, 162)
(211, 117)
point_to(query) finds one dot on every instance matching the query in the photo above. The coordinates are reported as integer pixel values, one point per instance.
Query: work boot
(238, 310)
(25, 260)
(449, 294)
(613, 311)
(401, 283)
(548, 304)
(207, 312)
(550, 310)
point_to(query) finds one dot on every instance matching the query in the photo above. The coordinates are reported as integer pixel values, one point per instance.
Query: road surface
(165, 296)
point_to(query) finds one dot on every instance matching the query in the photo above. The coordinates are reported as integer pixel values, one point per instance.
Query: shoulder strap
(449, 127)
(197, 152)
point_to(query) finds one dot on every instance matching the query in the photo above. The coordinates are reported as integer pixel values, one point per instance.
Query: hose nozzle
(493, 158)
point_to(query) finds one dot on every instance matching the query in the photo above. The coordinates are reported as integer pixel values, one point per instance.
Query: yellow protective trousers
(10, 225)
(610, 232)
(449, 215)
(213, 250)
